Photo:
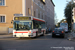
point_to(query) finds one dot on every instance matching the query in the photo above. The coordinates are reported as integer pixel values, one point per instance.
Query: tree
(68, 12)
(63, 20)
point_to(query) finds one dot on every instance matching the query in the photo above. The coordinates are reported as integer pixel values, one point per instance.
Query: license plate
(57, 34)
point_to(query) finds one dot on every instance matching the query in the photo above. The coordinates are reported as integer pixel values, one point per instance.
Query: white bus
(64, 26)
(28, 26)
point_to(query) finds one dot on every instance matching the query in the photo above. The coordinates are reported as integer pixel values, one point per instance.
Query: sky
(59, 8)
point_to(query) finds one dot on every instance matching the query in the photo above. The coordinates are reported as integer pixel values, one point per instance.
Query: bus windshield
(63, 24)
(22, 25)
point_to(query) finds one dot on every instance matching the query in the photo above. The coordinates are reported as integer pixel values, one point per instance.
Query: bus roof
(32, 18)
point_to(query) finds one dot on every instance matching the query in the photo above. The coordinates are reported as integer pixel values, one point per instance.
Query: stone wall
(4, 30)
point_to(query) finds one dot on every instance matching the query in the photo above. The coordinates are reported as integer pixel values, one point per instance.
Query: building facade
(43, 9)
(73, 14)
(73, 17)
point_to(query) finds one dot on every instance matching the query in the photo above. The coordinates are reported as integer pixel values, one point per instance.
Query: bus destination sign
(22, 18)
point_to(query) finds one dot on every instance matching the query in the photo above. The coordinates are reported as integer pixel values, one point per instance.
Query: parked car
(58, 32)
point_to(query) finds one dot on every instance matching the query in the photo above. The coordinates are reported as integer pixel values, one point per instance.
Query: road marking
(49, 34)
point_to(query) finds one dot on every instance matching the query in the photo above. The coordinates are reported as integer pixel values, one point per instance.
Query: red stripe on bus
(20, 32)
(38, 20)
(34, 32)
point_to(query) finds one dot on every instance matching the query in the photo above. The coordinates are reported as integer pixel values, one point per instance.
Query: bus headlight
(29, 31)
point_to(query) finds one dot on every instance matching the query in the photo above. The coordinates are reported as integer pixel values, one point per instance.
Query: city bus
(64, 26)
(25, 26)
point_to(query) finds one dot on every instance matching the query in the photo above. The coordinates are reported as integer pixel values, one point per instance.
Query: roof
(52, 3)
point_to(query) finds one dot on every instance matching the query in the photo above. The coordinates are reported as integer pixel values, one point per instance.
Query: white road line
(49, 34)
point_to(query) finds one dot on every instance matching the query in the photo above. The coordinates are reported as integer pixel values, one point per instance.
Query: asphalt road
(41, 43)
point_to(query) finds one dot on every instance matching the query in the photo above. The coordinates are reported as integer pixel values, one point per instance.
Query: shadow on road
(1, 48)
(45, 37)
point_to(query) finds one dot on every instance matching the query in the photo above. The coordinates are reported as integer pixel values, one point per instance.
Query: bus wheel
(43, 33)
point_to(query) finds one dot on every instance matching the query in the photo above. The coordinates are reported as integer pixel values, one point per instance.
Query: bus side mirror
(11, 21)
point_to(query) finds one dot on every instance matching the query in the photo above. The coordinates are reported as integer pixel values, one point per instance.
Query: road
(41, 43)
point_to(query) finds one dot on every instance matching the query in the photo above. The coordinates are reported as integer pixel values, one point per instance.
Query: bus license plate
(57, 34)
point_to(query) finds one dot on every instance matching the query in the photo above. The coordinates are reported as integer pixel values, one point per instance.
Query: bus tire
(43, 33)
(36, 34)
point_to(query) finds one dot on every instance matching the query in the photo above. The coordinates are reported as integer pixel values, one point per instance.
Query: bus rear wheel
(43, 33)
(36, 34)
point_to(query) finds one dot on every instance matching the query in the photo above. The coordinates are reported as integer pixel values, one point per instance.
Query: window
(34, 14)
(42, 16)
(38, 15)
(42, 6)
(29, 11)
(2, 2)
(38, 24)
(33, 0)
(39, 3)
(2, 19)
(22, 25)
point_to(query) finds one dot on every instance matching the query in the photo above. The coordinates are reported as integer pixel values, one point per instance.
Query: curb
(71, 38)
(6, 36)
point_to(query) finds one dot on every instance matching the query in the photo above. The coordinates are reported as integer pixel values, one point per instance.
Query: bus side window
(40, 26)
(34, 25)
(37, 26)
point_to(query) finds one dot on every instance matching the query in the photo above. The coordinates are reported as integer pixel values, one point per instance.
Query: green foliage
(63, 20)
(68, 12)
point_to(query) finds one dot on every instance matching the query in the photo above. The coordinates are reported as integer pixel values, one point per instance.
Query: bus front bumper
(22, 36)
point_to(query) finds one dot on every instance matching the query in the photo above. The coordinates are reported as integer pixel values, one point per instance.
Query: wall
(3, 30)
(12, 7)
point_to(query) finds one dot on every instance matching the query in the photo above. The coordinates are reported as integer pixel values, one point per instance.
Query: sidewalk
(6, 36)
(71, 36)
